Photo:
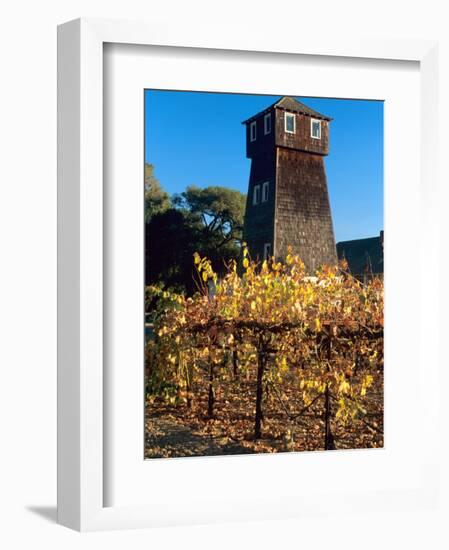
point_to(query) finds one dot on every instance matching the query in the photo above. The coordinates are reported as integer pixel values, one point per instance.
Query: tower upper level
(287, 123)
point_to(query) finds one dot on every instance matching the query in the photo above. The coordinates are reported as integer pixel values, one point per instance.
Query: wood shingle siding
(302, 216)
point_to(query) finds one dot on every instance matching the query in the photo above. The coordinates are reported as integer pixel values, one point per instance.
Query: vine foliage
(307, 344)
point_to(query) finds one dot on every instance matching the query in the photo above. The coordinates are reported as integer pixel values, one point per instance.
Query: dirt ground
(167, 436)
(180, 431)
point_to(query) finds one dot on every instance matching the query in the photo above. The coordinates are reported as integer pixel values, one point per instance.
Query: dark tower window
(253, 131)
(256, 194)
(265, 186)
(315, 128)
(266, 251)
(290, 123)
(267, 123)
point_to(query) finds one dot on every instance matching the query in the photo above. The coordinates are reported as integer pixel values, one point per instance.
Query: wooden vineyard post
(211, 395)
(189, 374)
(235, 363)
(328, 437)
(261, 359)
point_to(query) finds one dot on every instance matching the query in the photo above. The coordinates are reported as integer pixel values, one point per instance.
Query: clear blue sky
(197, 138)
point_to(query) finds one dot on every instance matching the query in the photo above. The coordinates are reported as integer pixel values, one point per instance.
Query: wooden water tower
(288, 201)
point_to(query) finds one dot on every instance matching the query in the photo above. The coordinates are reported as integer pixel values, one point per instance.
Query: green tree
(170, 242)
(156, 199)
(208, 221)
(220, 210)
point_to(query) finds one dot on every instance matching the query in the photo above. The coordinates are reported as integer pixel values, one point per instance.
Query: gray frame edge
(68, 265)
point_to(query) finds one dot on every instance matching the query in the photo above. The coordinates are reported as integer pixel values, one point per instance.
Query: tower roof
(290, 104)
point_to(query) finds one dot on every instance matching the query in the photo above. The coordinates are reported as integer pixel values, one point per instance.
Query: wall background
(28, 270)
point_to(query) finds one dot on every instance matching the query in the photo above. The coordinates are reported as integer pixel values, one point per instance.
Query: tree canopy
(157, 199)
(170, 240)
(207, 220)
(220, 209)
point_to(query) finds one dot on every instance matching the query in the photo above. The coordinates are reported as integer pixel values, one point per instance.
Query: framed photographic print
(229, 215)
(257, 339)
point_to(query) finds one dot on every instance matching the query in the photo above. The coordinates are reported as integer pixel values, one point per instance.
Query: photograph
(264, 273)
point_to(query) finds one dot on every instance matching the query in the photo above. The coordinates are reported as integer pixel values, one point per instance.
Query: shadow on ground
(47, 512)
(167, 438)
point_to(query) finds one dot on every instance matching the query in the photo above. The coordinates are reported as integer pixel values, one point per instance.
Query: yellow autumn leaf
(344, 387)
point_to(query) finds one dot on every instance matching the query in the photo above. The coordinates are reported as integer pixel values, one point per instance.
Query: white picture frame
(82, 401)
